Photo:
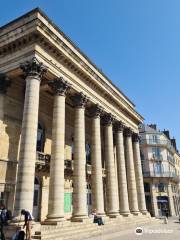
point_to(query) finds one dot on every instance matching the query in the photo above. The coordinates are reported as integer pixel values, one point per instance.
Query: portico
(79, 107)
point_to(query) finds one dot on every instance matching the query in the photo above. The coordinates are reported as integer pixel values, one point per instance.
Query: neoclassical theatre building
(68, 136)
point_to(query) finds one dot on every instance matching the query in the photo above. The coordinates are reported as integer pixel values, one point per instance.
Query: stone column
(154, 199)
(171, 202)
(132, 191)
(139, 176)
(79, 172)
(27, 157)
(112, 189)
(56, 184)
(121, 171)
(4, 84)
(96, 161)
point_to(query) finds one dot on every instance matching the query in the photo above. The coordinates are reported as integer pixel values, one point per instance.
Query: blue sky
(135, 42)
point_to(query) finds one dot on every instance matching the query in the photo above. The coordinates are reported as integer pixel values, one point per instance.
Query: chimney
(154, 126)
(173, 142)
(166, 132)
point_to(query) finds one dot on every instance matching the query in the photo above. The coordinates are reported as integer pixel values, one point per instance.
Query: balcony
(157, 157)
(165, 143)
(171, 175)
(43, 164)
(43, 161)
(171, 159)
(89, 170)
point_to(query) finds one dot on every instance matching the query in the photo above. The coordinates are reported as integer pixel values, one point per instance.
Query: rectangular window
(146, 187)
(158, 168)
(161, 187)
(156, 153)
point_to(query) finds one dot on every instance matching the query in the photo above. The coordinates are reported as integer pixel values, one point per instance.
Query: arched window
(40, 138)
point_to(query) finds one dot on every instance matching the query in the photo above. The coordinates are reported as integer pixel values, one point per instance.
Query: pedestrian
(19, 234)
(166, 211)
(3, 220)
(27, 223)
(3, 215)
(97, 218)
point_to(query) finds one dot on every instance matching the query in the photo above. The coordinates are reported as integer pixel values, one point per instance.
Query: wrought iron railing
(43, 160)
(166, 143)
(172, 175)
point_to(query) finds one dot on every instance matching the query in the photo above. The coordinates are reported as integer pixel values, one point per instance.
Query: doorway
(36, 207)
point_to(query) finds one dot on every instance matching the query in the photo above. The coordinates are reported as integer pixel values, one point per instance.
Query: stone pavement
(158, 230)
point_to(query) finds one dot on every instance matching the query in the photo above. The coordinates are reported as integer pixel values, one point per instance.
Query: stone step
(88, 226)
(62, 233)
(76, 235)
(89, 232)
(36, 237)
(78, 231)
(64, 228)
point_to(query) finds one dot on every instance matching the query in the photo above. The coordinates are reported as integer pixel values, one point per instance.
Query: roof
(146, 128)
(38, 10)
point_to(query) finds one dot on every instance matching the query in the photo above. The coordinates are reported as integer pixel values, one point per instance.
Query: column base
(80, 218)
(54, 221)
(113, 214)
(125, 214)
(144, 212)
(135, 213)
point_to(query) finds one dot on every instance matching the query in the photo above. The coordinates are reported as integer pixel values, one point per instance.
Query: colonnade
(125, 196)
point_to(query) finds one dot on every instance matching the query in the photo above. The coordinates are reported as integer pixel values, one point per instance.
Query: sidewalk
(155, 231)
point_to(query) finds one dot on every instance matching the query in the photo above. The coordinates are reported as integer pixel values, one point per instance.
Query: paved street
(155, 231)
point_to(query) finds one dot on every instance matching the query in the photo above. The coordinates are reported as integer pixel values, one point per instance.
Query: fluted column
(27, 157)
(154, 199)
(138, 174)
(171, 202)
(96, 161)
(132, 191)
(79, 173)
(4, 84)
(111, 181)
(56, 184)
(121, 171)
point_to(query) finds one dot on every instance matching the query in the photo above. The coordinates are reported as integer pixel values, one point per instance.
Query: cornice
(79, 65)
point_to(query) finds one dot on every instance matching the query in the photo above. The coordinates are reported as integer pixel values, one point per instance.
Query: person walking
(166, 211)
(27, 223)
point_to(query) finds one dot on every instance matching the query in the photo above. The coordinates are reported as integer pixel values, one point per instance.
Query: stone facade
(68, 136)
(160, 163)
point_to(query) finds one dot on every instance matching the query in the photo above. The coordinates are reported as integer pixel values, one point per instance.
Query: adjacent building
(68, 136)
(161, 170)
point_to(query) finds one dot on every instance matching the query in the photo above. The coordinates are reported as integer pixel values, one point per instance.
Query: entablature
(36, 30)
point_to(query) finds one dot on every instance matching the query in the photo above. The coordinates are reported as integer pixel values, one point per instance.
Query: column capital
(59, 86)
(33, 68)
(128, 132)
(79, 99)
(108, 119)
(119, 126)
(96, 111)
(135, 137)
(4, 83)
